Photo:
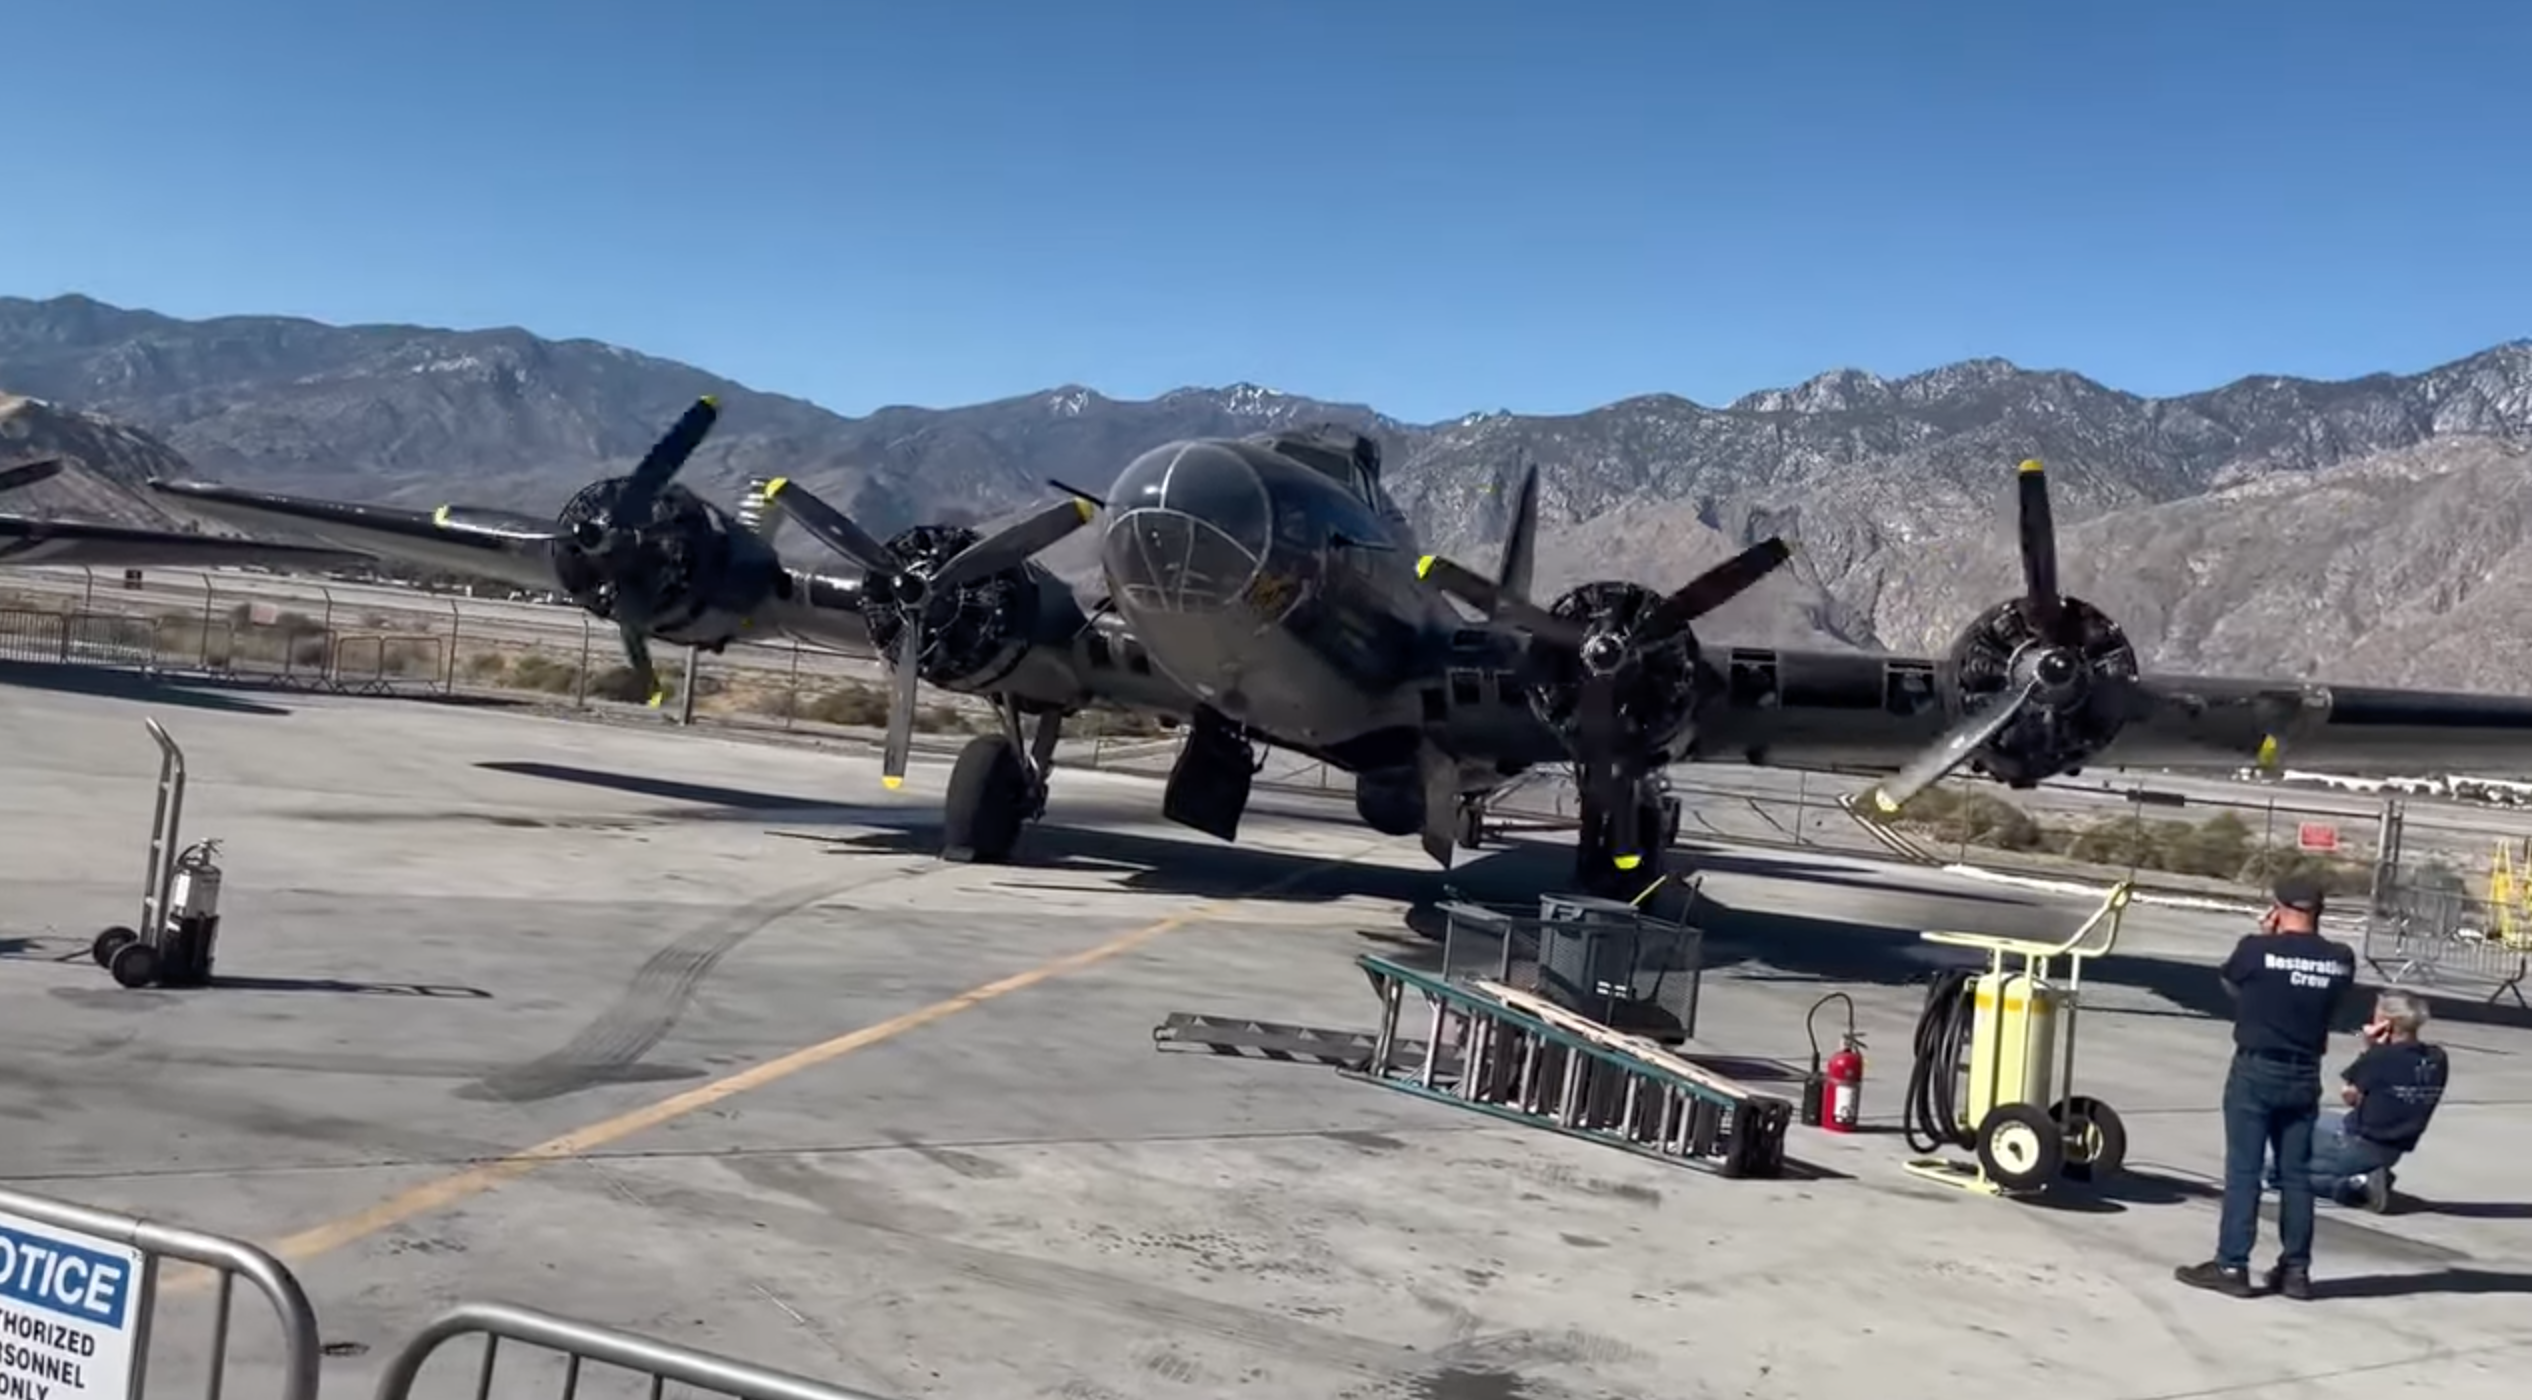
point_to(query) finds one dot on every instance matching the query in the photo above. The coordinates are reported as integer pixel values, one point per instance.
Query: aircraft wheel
(989, 800)
(110, 942)
(2020, 1148)
(1471, 832)
(135, 964)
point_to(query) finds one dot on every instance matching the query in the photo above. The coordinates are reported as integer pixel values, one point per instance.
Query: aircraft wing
(25, 543)
(487, 544)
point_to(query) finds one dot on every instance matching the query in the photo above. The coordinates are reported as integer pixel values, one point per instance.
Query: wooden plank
(1631, 1045)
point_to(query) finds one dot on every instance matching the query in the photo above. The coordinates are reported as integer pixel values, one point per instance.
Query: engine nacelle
(703, 571)
(975, 638)
(2072, 715)
(1659, 699)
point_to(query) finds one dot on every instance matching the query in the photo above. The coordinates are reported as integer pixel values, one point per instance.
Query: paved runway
(687, 1034)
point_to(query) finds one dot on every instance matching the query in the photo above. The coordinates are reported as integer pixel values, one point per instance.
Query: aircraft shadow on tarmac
(114, 684)
(1789, 944)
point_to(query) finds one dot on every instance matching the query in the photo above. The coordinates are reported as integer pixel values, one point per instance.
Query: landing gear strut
(999, 786)
(1596, 870)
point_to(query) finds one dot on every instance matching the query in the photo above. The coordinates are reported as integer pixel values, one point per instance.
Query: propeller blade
(1626, 849)
(1521, 541)
(2041, 599)
(29, 473)
(633, 506)
(832, 527)
(1014, 545)
(493, 524)
(1715, 587)
(1604, 775)
(1948, 753)
(637, 653)
(901, 702)
(1496, 602)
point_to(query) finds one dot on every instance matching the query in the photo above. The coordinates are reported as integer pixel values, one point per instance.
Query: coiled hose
(1931, 1116)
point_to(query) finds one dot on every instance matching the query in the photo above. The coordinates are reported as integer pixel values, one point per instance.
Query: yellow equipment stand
(2021, 1057)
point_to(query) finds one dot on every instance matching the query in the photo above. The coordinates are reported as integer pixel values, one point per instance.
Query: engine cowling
(1658, 696)
(979, 635)
(701, 571)
(2077, 701)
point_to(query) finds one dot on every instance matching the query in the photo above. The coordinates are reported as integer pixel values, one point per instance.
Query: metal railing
(79, 1295)
(580, 1343)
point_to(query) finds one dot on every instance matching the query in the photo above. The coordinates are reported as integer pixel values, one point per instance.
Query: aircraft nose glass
(1191, 528)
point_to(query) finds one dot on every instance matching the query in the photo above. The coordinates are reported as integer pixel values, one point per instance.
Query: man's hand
(2349, 1094)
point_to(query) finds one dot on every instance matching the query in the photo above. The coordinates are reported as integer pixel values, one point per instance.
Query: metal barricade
(581, 1342)
(2440, 938)
(79, 1292)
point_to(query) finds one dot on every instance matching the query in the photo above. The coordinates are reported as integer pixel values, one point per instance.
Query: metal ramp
(1511, 1055)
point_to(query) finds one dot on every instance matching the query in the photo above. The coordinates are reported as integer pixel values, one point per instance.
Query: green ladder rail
(1534, 1064)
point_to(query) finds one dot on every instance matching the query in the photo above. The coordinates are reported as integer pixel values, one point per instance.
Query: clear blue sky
(1437, 206)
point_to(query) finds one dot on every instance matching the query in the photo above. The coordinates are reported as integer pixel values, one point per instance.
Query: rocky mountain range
(2366, 530)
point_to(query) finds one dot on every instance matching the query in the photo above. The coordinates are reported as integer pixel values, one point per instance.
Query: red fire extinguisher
(1846, 1085)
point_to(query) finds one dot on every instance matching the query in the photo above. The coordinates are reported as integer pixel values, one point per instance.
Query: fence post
(448, 673)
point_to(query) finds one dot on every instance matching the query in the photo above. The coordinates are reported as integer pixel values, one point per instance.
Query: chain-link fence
(2437, 877)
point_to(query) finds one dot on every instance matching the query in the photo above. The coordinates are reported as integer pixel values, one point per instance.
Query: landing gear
(1596, 869)
(999, 786)
(1469, 828)
(1208, 786)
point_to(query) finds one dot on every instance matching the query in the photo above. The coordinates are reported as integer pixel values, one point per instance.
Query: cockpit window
(1349, 458)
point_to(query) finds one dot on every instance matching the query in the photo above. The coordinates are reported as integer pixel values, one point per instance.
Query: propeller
(613, 542)
(1610, 631)
(29, 473)
(2049, 670)
(922, 593)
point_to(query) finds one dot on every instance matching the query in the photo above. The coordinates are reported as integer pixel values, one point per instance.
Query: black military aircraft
(1267, 590)
(25, 542)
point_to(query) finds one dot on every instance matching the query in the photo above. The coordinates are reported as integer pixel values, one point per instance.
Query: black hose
(1931, 1116)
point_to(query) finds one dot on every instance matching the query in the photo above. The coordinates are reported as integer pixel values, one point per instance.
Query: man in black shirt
(2392, 1090)
(2287, 982)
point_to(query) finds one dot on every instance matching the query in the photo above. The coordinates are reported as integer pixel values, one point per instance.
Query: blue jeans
(2269, 1105)
(2341, 1160)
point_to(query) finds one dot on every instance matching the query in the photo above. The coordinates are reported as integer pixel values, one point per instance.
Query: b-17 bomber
(1267, 592)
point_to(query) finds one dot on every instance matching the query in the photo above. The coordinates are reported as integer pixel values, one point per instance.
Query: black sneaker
(2378, 1192)
(2233, 1282)
(2293, 1281)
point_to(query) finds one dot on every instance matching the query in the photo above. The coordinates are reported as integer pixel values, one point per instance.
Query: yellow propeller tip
(2268, 751)
(710, 401)
(1629, 862)
(891, 783)
(656, 697)
(1424, 566)
(774, 487)
(440, 517)
(2031, 465)
(1085, 509)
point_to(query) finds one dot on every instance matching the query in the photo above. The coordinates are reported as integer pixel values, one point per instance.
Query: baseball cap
(2297, 890)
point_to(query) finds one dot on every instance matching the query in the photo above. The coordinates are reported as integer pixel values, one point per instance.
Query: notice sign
(68, 1312)
(2317, 836)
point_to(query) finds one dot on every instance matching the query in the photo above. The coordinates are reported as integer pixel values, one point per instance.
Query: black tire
(110, 942)
(1470, 827)
(987, 804)
(2020, 1148)
(135, 964)
(2096, 1141)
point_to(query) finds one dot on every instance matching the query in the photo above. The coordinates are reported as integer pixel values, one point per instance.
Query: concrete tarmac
(691, 1035)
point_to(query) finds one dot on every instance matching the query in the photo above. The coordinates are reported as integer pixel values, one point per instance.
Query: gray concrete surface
(463, 935)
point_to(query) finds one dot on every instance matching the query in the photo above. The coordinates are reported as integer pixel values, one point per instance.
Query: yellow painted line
(448, 1190)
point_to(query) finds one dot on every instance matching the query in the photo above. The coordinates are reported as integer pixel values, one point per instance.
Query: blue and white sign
(70, 1307)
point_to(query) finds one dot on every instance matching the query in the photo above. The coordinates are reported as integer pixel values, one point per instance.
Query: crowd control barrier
(582, 1342)
(79, 1291)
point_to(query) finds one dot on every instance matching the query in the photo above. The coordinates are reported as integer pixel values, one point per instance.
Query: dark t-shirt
(2287, 990)
(2401, 1085)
